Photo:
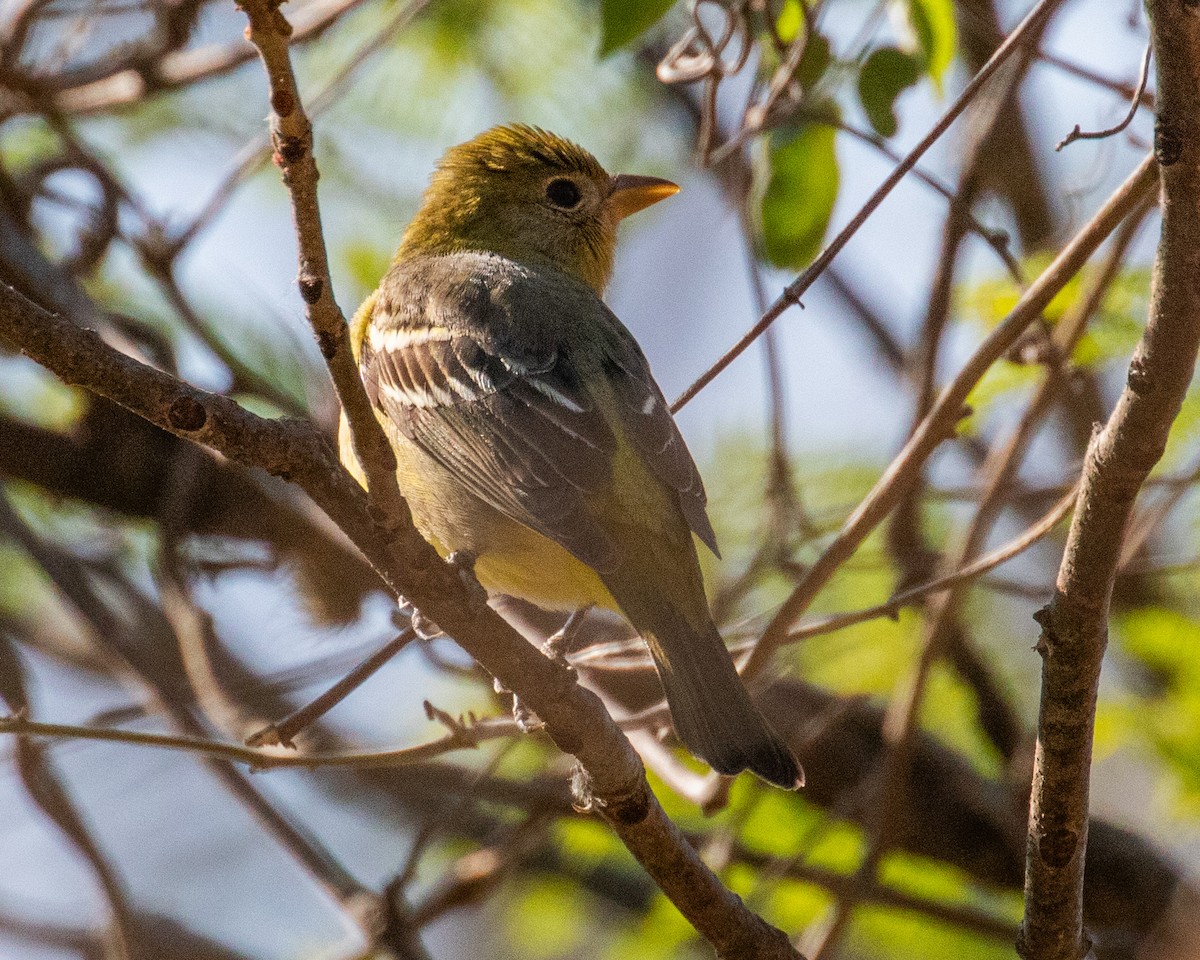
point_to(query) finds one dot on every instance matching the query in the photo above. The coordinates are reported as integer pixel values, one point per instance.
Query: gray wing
(646, 419)
(467, 357)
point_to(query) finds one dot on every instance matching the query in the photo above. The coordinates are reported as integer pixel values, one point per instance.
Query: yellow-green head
(533, 197)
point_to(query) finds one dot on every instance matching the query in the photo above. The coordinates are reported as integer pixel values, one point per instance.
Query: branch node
(187, 414)
(628, 810)
(1058, 846)
(283, 103)
(269, 736)
(1139, 379)
(1168, 142)
(311, 289)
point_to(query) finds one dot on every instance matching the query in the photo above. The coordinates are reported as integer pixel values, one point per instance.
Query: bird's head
(531, 196)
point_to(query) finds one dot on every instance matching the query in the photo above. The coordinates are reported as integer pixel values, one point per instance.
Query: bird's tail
(714, 715)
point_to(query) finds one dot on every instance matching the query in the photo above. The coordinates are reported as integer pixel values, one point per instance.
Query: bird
(529, 432)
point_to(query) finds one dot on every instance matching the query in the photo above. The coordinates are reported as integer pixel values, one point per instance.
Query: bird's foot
(408, 617)
(463, 562)
(527, 721)
(559, 644)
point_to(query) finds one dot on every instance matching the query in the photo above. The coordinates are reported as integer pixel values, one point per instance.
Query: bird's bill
(631, 193)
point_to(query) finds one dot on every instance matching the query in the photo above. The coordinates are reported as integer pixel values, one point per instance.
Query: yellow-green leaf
(937, 35)
(798, 200)
(623, 21)
(887, 73)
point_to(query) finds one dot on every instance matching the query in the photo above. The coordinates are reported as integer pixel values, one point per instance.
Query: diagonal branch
(1032, 24)
(575, 718)
(292, 139)
(944, 415)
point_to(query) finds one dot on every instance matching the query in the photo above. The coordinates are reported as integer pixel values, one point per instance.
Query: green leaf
(366, 264)
(817, 52)
(548, 919)
(815, 61)
(789, 21)
(798, 200)
(887, 73)
(623, 21)
(937, 35)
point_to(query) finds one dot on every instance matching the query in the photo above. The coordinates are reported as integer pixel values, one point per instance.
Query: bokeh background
(146, 587)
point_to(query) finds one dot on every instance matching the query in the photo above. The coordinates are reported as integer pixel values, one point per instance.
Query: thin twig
(285, 731)
(945, 414)
(796, 289)
(1084, 72)
(1136, 102)
(609, 654)
(459, 738)
(183, 68)
(1004, 463)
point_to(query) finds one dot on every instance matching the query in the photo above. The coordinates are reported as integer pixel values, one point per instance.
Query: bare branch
(286, 730)
(181, 68)
(1075, 624)
(947, 411)
(292, 137)
(606, 654)
(791, 295)
(1079, 134)
(459, 738)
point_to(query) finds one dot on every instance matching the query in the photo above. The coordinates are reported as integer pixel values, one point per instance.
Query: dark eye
(563, 193)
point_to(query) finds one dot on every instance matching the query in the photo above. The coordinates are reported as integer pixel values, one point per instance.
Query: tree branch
(292, 138)
(575, 718)
(1075, 624)
(943, 417)
(1033, 22)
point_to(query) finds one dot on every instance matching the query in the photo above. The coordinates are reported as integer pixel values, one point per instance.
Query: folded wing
(479, 362)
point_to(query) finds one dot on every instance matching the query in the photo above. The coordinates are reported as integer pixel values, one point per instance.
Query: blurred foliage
(885, 75)
(623, 21)
(571, 65)
(546, 918)
(1107, 341)
(1162, 709)
(935, 26)
(800, 192)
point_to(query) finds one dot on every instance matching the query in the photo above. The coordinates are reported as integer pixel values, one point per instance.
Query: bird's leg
(527, 721)
(408, 616)
(555, 648)
(559, 643)
(463, 562)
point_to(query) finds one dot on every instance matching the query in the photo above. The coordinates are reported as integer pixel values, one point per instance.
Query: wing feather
(470, 358)
(646, 419)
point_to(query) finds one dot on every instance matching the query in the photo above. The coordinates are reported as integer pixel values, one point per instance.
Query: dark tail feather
(714, 715)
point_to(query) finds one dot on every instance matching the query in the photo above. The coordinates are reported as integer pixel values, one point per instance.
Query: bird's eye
(563, 193)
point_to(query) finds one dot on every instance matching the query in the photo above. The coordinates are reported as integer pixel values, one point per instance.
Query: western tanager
(528, 428)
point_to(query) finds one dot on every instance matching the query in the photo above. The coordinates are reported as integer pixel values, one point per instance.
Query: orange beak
(631, 193)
